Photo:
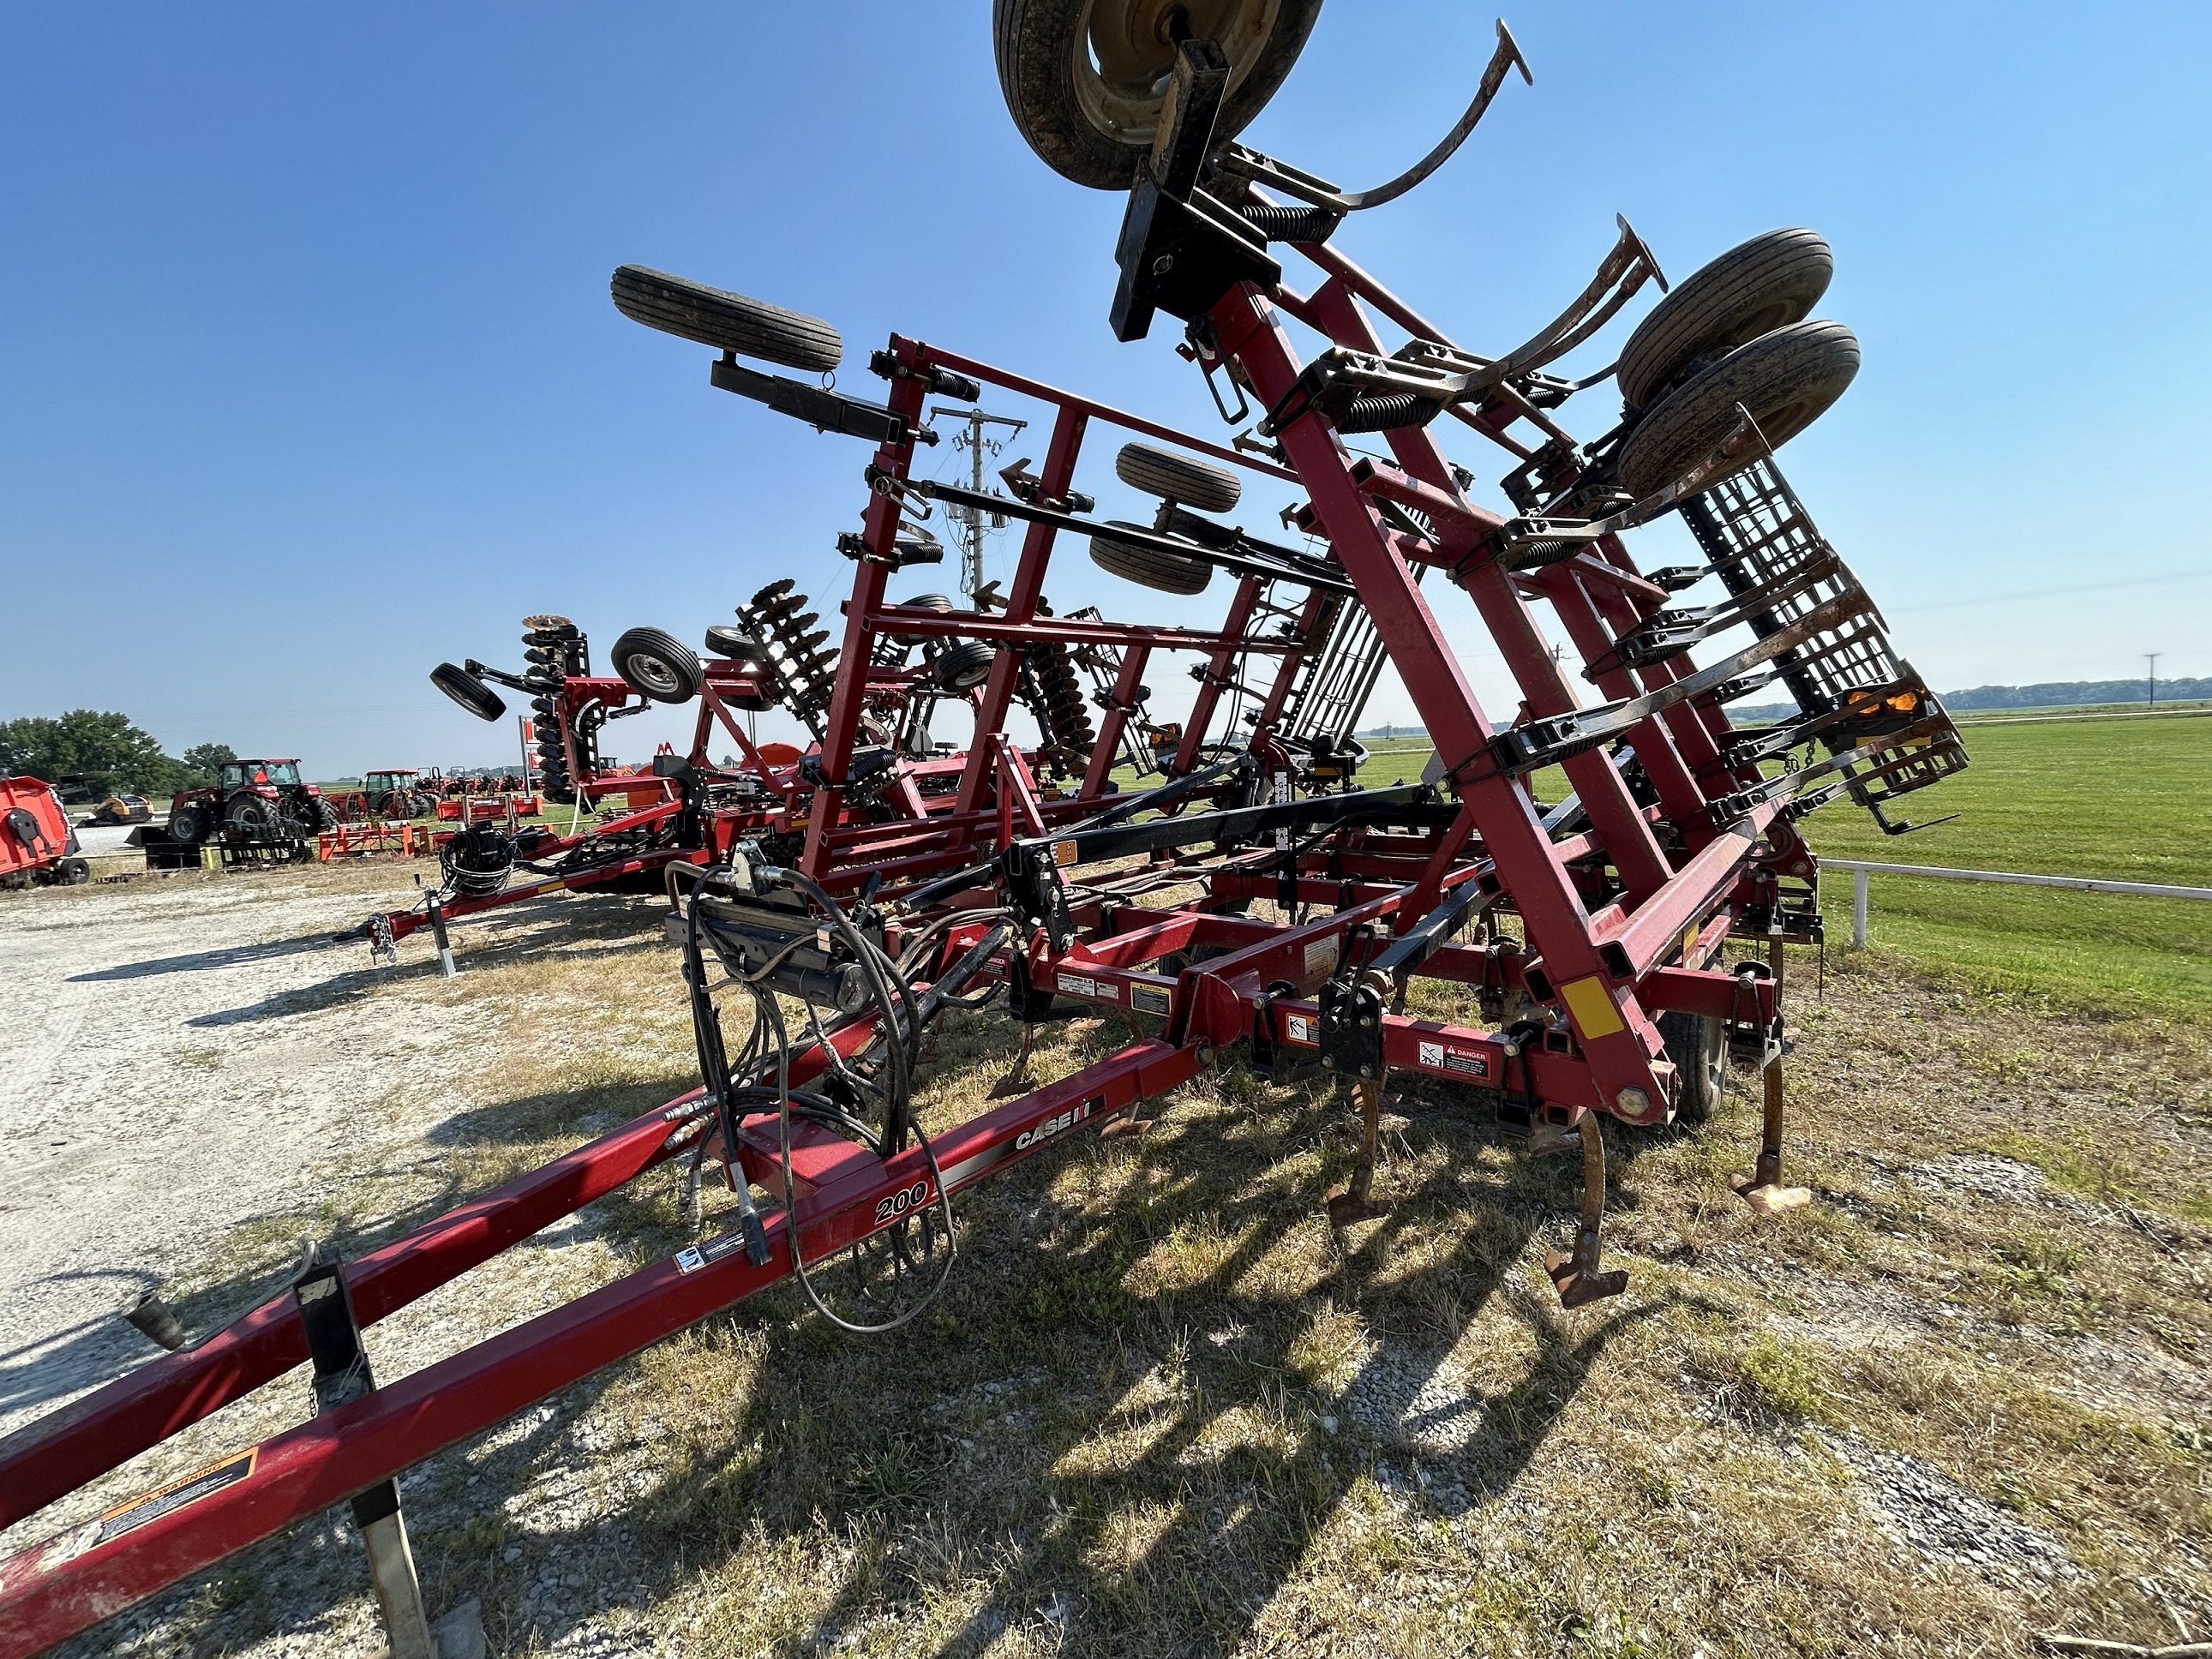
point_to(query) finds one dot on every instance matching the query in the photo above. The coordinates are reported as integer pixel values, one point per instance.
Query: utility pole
(971, 520)
(2152, 656)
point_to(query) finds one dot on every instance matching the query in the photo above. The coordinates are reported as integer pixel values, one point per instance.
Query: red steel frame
(1614, 953)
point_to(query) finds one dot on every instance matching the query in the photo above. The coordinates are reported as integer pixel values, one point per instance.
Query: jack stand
(437, 933)
(1351, 1205)
(342, 1375)
(1576, 1275)
(1762, 1189)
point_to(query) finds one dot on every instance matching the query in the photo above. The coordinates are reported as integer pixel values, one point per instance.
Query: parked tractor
(36, 842)
(399, 792)
(258, 799)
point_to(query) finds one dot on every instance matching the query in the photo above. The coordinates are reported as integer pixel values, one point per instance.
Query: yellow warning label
(1596, 1014)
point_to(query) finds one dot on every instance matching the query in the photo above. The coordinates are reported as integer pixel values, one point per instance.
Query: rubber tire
(1147, 567)
(1697, 1044)
(1038, 45)
(659, 664)
(726, 321)
(72, 873)
(963, 665)
(1768, 282)
(1787, 378)
(466, 690)
(937, 602)
(326, 812)
(735, 644)
(1178, 477)
(254, 814)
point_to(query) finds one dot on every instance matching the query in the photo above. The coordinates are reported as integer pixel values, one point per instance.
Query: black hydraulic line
(1412, 804)
(1174, 789)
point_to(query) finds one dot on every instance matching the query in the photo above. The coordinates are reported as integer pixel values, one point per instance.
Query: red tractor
(259, 800)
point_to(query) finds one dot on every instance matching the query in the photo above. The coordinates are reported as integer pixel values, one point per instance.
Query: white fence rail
(1862, 872)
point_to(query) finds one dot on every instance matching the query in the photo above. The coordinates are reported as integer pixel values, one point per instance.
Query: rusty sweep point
(1576, 1283)
(1348, 1208)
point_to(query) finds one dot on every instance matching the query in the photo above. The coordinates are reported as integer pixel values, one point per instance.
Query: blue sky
(311, 379)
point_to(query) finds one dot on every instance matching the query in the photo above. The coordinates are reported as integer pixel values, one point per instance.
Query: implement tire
(466, 690)
(1787, 378)
(659, 664)
(1148, 567)
(1084, 79)
(1697, 1044)
(1768, 282)
(726, 321)
(1179, 478)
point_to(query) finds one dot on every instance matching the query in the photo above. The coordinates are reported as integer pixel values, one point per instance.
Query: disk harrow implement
(1598, 952)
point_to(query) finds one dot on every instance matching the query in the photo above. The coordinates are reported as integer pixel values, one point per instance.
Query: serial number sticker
(1459, 1063)
(166, 1500)
(1321, 955)
(1299, 1029)
(1082, 985)
(1150, 998)
(693, 1257)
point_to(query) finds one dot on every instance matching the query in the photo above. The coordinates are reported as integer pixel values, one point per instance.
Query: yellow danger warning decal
(1595, 1011)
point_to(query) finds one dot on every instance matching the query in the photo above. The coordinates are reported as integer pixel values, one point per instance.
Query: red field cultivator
(1242, 898)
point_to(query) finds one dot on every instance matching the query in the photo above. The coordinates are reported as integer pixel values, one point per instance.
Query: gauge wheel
(1697, 1044)
(963, 665)
(466, 690)
(1084, 80)
(726, 321)
(1150, 567)
(1786, 379)
(1179, 478)
(660, 664)
(734, 643)
(1768, 282)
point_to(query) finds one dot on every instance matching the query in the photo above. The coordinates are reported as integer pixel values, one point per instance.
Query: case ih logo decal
(1052, 1126)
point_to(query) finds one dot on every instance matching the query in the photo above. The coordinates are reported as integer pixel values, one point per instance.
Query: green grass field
(2129, 799)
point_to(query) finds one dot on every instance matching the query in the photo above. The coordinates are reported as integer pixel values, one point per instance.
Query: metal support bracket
(342, 1375)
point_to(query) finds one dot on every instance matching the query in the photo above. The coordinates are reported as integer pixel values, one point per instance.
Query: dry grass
(1161, 1409)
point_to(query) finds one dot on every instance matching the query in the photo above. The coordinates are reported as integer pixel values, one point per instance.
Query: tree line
(103, 753)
